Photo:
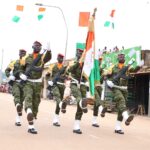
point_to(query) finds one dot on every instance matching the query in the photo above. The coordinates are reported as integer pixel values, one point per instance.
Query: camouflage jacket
(29, 60)
(16, 67)
(75, 71)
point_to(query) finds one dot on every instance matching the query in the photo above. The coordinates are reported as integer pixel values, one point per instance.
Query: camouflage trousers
(17, 92)
(32, 96)
(98, 102)
(58, 92)
(77, 94)
(120, 98)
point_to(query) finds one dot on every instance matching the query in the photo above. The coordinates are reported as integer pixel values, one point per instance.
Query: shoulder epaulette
(11, 65)
(23, 60)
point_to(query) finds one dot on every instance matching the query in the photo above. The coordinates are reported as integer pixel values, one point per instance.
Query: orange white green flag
(91, 60)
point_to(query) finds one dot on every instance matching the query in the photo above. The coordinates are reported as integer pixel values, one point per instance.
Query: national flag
(84, 19)
(112, 13)
(19, 7)
(106, 24)
(42, 9)
(40, 17)
(91, 61)
(16, 19)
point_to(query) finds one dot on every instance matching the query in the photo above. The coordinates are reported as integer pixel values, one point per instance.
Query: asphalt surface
(136, 137)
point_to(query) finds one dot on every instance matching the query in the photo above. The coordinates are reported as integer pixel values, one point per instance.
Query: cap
(37, 43)
(22, 50)
(121, 53)
(79, 50)
(60, 55)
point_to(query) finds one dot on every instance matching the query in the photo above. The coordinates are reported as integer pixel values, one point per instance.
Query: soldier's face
(78, 55)
(121, 58)
(37, 48)
(60, 59)
(22, 54)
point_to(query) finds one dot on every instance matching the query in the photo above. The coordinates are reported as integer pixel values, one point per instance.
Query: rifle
(33, 67)
(122, 73)
(57, 77)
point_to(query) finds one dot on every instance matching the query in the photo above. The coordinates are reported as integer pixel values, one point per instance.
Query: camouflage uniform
(75, 71)
(17, 89)
(98, 102)
(58, 89)
(33, 86)
(120, 96)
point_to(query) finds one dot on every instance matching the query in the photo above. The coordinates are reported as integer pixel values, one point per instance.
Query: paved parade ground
(136, 137)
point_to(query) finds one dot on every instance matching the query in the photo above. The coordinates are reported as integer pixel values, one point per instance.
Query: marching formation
(67, 83)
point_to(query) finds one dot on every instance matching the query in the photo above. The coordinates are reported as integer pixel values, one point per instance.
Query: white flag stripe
(89, 62)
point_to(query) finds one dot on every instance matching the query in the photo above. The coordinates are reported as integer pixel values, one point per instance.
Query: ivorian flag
(91, 60)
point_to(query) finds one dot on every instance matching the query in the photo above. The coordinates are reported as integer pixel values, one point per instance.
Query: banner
(130, 54)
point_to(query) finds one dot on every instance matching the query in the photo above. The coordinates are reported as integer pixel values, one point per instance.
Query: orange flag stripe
(19, 7)
(42, 9)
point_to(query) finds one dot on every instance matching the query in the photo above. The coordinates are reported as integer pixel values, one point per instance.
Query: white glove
(50, 83)
(23, 77)
(12, 78)
(110, 83)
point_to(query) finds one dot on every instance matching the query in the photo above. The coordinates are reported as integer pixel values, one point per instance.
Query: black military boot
(32, 131)
(95, 125)
(56, 124)
(78, 131)
(119, 132)
(17, 123)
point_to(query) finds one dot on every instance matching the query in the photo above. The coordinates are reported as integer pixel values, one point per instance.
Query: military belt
(18, 81)
(35, 80)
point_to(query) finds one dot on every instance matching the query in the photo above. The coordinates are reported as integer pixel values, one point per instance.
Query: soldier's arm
(9, 68)
(74, 67)
(47, 56)
(7, 71)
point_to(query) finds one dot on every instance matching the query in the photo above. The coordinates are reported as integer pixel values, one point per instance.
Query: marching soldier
(98, 105)
(75, 72)
(16, 67)
(32, 77)
(58, 88)
(120, 94)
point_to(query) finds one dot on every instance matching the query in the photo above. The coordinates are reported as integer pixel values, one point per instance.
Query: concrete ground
(136, 137)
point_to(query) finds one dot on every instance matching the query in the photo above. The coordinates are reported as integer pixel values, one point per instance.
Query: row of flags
(83, 16)
(20, 9)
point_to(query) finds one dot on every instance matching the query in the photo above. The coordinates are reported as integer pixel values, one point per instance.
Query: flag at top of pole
(91, 61)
